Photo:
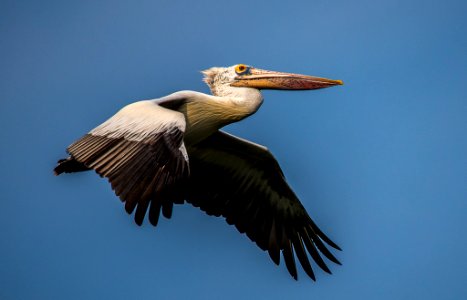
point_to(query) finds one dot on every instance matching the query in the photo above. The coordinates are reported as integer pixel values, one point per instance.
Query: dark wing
(243, 182)
(141, 152)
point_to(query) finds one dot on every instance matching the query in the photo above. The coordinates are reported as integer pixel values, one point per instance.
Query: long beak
(263, 79)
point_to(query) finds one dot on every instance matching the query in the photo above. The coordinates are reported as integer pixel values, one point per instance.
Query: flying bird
(170, 150)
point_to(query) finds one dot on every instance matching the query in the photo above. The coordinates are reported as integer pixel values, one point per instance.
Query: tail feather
(69, 165)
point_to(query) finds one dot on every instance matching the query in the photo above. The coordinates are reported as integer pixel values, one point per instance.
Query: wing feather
(243, 182)
(140, 151)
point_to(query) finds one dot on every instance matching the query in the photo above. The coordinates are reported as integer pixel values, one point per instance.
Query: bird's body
(159, 152)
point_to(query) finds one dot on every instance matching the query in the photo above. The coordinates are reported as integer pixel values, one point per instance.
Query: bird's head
(221, 80)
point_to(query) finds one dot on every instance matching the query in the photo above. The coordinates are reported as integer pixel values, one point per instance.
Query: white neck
(248, 99)
(206, 114)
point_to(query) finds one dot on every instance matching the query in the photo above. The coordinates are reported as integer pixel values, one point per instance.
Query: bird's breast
(205, 118)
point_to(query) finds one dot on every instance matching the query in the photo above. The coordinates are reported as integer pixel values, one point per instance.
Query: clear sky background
(380, 163)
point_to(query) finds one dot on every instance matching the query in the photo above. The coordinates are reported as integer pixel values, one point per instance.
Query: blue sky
(380, 163)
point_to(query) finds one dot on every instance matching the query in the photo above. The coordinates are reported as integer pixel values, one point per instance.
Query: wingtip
(335, 246)
(275, 256)
(139, 222)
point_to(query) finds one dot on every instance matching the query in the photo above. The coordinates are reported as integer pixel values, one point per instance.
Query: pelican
(170, 150)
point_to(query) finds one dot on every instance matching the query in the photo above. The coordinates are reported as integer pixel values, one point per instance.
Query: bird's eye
(241, 69)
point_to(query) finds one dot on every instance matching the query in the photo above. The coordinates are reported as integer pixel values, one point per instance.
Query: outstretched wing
(243, 182)
(141, 152)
